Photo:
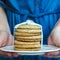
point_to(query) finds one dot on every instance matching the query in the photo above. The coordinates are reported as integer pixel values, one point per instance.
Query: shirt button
(36, 3)
(41, 8)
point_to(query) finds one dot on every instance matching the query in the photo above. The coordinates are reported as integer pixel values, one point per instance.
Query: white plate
(44, 49)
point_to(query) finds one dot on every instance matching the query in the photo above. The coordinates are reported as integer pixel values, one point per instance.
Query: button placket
(36, 3)
(36, 7)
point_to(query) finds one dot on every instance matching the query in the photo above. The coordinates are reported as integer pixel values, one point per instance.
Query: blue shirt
(44, 12)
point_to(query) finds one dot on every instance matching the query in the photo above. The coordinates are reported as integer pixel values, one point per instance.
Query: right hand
(5, 40)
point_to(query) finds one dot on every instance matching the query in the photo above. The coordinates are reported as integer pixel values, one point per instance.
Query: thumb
(50, 41)
(10, 40)
(3, 40)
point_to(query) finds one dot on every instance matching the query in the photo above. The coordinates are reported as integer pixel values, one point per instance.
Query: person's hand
(5, 40)
(54, 39)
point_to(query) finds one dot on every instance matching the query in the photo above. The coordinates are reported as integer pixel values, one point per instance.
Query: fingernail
(9, 54)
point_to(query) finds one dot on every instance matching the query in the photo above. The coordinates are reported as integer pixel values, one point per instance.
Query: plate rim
(30, 51)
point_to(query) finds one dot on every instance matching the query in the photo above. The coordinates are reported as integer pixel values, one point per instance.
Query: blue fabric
(44, 12)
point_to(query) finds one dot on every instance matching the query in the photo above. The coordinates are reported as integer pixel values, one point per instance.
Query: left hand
(54, 39)
(6, 40)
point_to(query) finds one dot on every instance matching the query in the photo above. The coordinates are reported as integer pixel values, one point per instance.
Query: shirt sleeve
(2, 4)
(5, 4)
(58, 8)
(8, 4)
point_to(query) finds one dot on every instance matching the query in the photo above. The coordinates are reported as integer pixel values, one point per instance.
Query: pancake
(29, 40)
(34, 49)
(26, 34)
(25, 43)
(28, 37)
(29, 26)
(27, 30)
(28, 46)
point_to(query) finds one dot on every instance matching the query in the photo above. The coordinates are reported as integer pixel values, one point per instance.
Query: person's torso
(44, 12)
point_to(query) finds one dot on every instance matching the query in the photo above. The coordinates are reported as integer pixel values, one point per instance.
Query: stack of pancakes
(28, 37)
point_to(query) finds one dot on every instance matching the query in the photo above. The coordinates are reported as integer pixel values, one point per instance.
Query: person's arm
(3, 21)
(5, 36)
(55, 35)
(54, 39)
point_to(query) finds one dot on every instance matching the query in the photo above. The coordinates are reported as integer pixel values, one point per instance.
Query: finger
(57, 42)
(9, 54)
(3, 41)
(11, 40)
(3, 44)
(55, 53)
(52, 55)
(3, 38)
(50, 42)
(1, 52)
(15, 54)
